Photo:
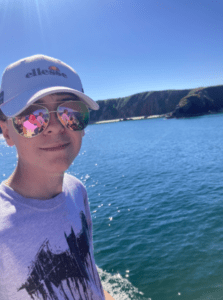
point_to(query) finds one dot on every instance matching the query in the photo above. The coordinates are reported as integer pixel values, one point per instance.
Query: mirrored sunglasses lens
(32, 121)
(74, 115)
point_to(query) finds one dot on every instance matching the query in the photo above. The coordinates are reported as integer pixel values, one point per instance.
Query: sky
(120, 48)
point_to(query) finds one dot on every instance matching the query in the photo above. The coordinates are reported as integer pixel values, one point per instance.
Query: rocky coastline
(169, 104)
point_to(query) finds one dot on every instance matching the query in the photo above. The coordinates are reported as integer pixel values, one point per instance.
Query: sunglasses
(73, 115)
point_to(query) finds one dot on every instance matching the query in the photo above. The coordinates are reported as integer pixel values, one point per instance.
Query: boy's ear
(82, 133)
(5, 132)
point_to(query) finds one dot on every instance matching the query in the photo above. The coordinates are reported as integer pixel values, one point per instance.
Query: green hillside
(173, 103)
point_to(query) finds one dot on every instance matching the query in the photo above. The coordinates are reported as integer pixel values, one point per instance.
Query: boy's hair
(2, 116)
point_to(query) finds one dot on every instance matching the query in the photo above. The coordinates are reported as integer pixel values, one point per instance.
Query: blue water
(155, 189)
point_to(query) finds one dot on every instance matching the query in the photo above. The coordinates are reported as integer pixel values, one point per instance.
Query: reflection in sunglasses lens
(73, 115)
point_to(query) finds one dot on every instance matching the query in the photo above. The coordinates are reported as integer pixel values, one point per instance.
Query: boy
(46, 246)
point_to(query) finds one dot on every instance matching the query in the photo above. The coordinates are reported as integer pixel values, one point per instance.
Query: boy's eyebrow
(67, 96)
(61, 100)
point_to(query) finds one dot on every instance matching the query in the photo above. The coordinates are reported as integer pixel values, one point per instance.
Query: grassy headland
(171, 103)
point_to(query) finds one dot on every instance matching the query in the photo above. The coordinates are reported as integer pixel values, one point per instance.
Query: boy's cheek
(83, 133)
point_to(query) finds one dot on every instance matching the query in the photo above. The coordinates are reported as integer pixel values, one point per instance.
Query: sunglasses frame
(40, 105)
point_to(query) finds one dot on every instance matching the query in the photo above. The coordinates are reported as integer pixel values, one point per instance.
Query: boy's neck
(32, 186)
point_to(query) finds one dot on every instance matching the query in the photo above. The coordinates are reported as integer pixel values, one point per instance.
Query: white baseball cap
(29, 79)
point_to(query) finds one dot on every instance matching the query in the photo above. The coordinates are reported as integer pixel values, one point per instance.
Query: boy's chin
(57, 167)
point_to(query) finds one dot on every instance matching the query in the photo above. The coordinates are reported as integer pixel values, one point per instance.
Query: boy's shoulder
(71, 179)
(72, 183)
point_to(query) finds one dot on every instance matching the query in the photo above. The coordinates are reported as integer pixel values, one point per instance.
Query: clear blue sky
(120, 48)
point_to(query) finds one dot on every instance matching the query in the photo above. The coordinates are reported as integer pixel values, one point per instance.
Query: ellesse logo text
(51, 71)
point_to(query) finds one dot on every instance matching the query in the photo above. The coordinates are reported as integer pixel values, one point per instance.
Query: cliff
(199, 102)
(171, 103)
(142, 104)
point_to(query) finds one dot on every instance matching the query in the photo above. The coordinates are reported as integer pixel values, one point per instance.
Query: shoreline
(128, 119)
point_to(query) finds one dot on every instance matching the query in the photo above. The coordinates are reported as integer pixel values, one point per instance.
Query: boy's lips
(56, 147)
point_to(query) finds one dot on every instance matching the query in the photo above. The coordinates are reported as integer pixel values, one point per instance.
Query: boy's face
(32, 151)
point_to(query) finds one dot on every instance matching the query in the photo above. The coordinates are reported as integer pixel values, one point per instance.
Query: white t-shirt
(46, 246)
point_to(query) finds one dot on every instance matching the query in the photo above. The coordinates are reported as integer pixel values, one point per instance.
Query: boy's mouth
(56, 148)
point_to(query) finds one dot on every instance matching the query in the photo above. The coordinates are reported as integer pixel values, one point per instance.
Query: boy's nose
(54, 124)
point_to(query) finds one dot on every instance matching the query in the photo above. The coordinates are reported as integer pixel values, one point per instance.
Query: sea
(155, 189)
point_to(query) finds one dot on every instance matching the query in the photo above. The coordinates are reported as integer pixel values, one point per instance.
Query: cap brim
(16, 105)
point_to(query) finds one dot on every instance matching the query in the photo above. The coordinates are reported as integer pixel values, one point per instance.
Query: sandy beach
(121, 120)
(129, 119)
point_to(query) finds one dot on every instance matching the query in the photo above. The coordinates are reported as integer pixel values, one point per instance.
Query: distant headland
(168, 103)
